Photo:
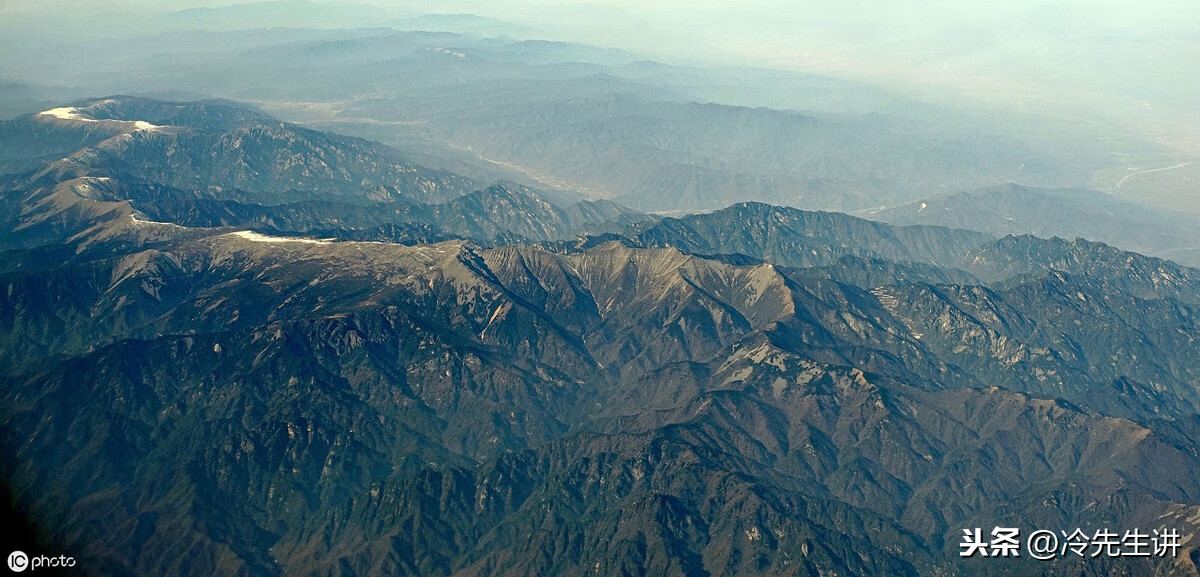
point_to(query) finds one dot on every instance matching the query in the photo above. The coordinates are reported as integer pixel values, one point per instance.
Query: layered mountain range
(1072, 213)
(232, 345)
(493, 103)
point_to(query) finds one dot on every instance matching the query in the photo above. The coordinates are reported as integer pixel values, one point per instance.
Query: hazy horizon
(1130, 62)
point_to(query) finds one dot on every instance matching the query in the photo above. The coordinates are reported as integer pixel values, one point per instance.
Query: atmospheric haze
(1113, 81)
(1128, 60)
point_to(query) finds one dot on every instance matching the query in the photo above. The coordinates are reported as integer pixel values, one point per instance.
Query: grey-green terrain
(1075, 213)
(231, 345)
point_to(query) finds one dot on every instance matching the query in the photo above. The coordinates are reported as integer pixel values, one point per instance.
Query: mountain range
(598, 122)
(1013, 209)
(233, 345)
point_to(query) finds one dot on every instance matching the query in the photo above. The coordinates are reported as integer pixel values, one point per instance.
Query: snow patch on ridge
(65, 113)
(256, 237)
(138, 221)
(72, 113)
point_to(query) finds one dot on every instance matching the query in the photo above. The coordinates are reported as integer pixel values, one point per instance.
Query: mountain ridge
(756, 390)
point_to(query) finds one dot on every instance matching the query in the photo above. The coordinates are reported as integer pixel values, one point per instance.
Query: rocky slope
(754, 391)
